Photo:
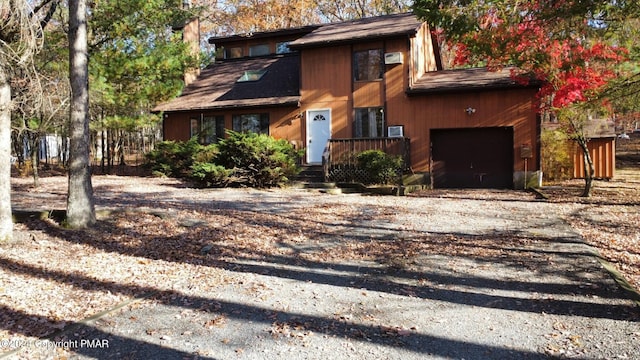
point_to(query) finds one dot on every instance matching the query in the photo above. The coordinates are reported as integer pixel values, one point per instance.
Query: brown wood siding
(284, 123)
(424, 36)
(370, 45)
(368, 94)
(416, 59)
(602, 153)
(326, 83)
(422, 56)
(396, 81)
(326, 75)
(420, 114)
(176, 127)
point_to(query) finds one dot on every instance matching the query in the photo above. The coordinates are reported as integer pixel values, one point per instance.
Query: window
(257, 123)
(208, 129)
(368, 65)
(251, 75)
(233, 53)
(195, 126)
(369, 123)
(212, 129)
(282, 48)
(259, 50)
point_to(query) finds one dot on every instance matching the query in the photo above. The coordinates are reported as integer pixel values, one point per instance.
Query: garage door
(472, 158)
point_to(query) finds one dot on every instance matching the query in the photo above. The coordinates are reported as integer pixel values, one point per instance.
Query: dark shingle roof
(592, 128)
(355, 30)
(216, 86)
(297, 31)
(466, 79)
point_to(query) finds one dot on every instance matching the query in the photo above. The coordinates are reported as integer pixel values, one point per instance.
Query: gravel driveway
(498, 278)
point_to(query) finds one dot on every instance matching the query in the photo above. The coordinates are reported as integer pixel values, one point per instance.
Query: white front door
(318, 133)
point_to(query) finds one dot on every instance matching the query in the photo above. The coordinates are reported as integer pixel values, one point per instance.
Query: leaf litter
(53, 276)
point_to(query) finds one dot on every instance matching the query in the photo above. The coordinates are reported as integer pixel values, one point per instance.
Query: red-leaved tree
(568, 46)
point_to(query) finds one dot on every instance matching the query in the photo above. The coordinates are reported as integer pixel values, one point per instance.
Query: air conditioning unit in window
(395, 131)
(393, 58)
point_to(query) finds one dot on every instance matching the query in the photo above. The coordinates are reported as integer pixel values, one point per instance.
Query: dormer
(258, 44)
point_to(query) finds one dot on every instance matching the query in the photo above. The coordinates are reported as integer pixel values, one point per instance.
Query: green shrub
(258, 160)
(175, 158)
(379, 167)
(206, 154)
(242, 159)
(210, 175)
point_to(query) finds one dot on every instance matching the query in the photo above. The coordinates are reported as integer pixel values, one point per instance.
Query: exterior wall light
(470, 110)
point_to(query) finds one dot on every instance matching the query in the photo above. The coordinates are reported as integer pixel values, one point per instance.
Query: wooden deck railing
(340, 155)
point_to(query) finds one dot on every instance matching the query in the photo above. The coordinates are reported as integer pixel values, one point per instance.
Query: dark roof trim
(263, 34)
(379, 27)
(465, 88)
(289, 101)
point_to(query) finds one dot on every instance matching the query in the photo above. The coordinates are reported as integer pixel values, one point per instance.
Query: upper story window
(233, 53)
(259, 50)
(368, 65)
(283, 47)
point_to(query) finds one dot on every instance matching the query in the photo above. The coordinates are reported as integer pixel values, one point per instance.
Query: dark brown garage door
(472, 158)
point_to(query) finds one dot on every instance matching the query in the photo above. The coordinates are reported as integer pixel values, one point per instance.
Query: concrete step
(310, 173)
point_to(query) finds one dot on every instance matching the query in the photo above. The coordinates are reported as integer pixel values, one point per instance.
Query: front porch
(339, 159)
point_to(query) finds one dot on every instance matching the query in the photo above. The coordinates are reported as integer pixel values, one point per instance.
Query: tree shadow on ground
(343, 329)
(117, 347)
(240, 237)
(565, 194)
(387, 257)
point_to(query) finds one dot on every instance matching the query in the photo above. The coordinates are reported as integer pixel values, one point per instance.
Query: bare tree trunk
(80, 202)
(34, 159)
(589, 170)
(6, 223)
(109, 150)
(102, 145)
(121, 148)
